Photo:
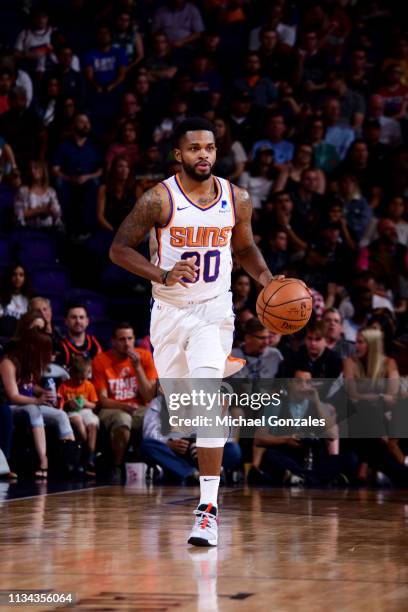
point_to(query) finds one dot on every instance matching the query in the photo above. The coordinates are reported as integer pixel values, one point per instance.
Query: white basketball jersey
(200, 231)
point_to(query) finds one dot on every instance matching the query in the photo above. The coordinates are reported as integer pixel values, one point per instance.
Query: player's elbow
(115, 253)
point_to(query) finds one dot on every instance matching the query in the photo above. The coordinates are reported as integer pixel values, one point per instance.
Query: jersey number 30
(208, 265)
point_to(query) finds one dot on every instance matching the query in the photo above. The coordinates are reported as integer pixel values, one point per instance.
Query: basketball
(284, 306)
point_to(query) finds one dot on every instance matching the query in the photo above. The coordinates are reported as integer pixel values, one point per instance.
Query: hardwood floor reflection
(123, 548)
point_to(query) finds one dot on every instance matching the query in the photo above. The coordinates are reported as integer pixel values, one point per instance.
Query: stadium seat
(34, 248)
(6, 251)
(51, 278)
(94, 302)
(101, 327)
(6, 207)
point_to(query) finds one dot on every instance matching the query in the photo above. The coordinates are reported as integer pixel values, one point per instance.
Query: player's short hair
(122, 325)
(193, 124)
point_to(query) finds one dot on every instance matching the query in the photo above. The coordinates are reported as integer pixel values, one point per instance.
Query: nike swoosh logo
(184, 207)
(209, 479)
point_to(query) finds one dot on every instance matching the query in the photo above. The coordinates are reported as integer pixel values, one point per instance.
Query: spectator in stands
(262, 360)
(22, 129)
(283, 216)
(231, 156)
(62, 126)
(19, 78)
(160, 64)
(291, 173)
(36, 204)
(6, 432)
(77, 341)
(387, 258)
(79, 399)
(390, 129)
(6, 83)
(314, 356)
(125, 379)
(47, 100)
(394, 93)
(241, 292)
(33, 45)
(127, 145)
(277, 62)
(338, 134)
(356, 208)
(395, 211)
(352, 104)
(368, 172)
(372, 381)
(325, 155)
(43, 306)
(334, 336)
(77, 169)
(32, 319)
(261, 89)
(258, 179)
(105, 71)
(71, 82)
(294, 455)
(14, 296)
(361, 301)
(276, 251)
(7, 160)
(21, 371)
(282, 149)
(127, 38)
(312, 66)
(180, 21)
(117, 197)
(308, 203)
(176, 453)
(273, 19)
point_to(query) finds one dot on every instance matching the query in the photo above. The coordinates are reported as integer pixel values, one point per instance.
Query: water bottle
(52, 389)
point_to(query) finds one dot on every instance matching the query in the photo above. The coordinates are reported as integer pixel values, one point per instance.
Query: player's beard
(192, 172)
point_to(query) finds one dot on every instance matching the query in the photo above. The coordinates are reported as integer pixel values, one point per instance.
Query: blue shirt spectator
(282, 149)
(181, 22)
(338, 134)
(356, 208)
(262, 90)
(105, 66)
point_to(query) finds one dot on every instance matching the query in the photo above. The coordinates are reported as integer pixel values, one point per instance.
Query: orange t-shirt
(117, 376)
(86, 390)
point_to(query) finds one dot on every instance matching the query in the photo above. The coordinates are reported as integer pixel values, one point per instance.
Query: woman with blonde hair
(36, 204)
(370, 362)
(372, 382)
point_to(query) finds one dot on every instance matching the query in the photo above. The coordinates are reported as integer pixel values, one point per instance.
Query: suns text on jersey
(200, 236)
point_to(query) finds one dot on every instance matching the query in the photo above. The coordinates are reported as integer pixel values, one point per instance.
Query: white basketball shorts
(193, 336)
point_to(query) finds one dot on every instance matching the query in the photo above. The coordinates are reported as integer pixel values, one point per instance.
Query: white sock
(209, 490)
(406, 461)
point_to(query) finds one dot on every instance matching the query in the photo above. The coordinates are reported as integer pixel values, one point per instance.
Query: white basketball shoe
(205, 530)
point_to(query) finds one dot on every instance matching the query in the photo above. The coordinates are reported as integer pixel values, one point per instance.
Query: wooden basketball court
(124, 548)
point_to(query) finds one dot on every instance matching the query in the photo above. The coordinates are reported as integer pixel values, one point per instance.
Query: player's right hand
(184, 269)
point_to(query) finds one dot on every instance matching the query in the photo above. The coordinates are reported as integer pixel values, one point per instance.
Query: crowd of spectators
(310, 106)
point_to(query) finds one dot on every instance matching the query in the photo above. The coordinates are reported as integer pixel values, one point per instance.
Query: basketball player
(197, 218)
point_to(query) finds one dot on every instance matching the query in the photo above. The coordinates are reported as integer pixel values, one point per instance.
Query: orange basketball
(284, 306)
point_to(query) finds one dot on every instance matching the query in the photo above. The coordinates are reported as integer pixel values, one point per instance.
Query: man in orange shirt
(125, 380)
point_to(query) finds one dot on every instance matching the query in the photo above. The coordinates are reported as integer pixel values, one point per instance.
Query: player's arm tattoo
(145, 213)
(243, 244)
(148, 210)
